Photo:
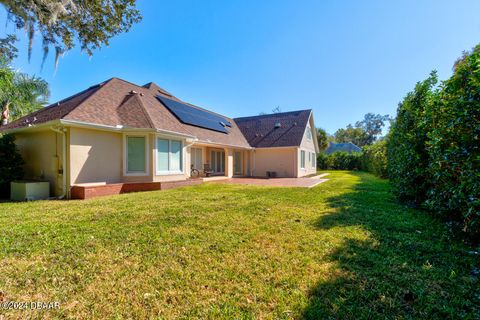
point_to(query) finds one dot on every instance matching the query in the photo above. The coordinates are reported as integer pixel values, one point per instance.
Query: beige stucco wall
(307, 145)
(95, 156)
(42, 153)
(280, 160)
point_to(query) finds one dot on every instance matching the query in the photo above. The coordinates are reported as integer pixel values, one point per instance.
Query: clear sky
(340, 58)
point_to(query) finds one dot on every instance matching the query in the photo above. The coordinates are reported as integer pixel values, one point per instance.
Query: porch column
(229, 162)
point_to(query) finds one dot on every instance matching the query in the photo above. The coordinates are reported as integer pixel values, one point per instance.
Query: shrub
(374, 158)
(454, 146)
(11, 164)
(407, 153)
(339, 161)
(433, 147)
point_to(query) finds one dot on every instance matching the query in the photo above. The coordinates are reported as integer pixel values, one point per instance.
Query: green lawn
(343, 249)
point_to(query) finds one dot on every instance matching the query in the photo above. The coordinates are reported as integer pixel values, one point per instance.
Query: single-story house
(348, 147)
(119, 132)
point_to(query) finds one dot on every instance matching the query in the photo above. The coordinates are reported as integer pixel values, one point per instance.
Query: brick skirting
(92, 191)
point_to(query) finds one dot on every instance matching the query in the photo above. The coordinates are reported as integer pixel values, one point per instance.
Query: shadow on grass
(392, 262)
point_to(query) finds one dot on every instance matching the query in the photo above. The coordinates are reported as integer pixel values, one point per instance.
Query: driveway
(276, 182)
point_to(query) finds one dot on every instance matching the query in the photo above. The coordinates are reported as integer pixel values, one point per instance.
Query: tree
(92, 23)
(372, 124)
(322, 138)
(7, 48)
(357, 136)
(11, 164)
(20, 94)
(364, 132)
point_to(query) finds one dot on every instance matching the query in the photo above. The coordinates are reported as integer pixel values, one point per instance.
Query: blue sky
(340, 58)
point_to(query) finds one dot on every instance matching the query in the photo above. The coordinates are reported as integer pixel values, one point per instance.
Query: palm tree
(20, 94)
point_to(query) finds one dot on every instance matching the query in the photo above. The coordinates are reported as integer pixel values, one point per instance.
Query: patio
(306, 182)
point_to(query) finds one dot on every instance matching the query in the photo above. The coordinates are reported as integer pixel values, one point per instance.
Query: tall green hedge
(407, 153)
(454, 145)
(434, 145)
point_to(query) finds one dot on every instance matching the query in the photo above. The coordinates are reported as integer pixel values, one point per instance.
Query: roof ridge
(273, 114)
(100, 85)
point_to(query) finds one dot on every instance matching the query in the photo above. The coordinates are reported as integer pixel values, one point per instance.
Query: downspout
(64, 160)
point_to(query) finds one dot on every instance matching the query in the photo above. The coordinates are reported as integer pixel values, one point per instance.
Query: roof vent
(133, 92)
(278, 125)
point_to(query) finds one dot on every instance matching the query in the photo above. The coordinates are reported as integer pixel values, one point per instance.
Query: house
(117, 133)
(348, 147)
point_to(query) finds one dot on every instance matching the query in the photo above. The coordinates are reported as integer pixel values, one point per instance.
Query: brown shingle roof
(118, 102)
(284, 129)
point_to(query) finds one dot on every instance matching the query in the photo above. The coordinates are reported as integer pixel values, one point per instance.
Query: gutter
(64, 160)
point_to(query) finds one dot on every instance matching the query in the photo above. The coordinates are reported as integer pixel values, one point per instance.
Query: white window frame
(302, 159)
(182, 156)
(125, 156)
(314, 160)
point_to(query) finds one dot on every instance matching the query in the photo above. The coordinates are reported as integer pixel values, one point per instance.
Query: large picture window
(169, 156)
(136, 154)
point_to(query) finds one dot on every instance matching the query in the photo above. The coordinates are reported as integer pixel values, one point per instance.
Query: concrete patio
(307, 182)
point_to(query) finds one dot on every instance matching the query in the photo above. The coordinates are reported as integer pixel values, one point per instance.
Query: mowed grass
(344, 249)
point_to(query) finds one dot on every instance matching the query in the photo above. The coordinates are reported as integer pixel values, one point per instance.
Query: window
(302, 159)
(309, 133)
(314, 160)
(136, 154)
(169, 156)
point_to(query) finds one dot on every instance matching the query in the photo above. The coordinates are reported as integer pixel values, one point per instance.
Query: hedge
(434, 146)
(374, 159)
(339, 161)
(407, 154)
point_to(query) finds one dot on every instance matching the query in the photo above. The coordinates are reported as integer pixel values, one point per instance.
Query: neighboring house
(119, 132)
(344, 147)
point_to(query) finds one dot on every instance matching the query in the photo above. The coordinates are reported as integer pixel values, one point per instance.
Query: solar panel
(196, 117)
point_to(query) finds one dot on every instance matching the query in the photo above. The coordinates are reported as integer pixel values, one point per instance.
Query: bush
(433, 147)
(454, 146)
(374, 159)
(407, 152)
(339, 161)
(11, 164)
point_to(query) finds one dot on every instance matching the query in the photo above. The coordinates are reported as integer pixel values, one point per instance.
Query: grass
(343, 249)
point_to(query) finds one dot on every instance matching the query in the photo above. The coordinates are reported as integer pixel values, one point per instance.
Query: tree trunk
(5, 114)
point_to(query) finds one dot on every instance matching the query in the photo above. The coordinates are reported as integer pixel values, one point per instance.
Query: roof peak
(274, 114)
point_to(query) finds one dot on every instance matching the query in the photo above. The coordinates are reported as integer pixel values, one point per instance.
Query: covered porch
(218, 161)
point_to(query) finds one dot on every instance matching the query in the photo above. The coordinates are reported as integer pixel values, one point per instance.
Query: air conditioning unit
(29, 190)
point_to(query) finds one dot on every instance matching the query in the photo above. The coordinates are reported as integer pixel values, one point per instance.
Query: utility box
(29, 190)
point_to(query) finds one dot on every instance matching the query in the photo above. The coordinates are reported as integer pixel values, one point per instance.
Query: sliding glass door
(217, 161)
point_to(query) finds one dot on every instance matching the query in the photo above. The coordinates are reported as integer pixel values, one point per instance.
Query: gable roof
(342, 147)
(117, 102)
(285, 129)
